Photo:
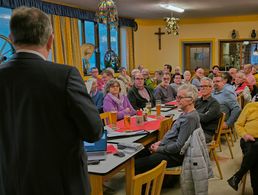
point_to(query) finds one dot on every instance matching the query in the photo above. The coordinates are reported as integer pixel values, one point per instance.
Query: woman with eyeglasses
(139, 94)
(165, 92)
(169, 147)
(115, 101)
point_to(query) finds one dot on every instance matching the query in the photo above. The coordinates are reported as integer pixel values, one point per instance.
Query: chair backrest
(165, 125)
(106, 118)
(219, 128)
(152, 178)
(240, 100)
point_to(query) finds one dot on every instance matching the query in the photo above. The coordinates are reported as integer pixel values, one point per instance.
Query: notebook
(98, 149)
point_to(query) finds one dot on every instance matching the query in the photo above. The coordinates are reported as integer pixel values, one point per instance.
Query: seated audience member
(140, 67)
(108, 74)
(177, 82)
(241, 86)
(95, 75)
(95, 94)
(187, 77)
(232, 72)
(164, 91)
(249, 76)
(157, 77)
(125, 78)
(167, 68)
(134, 71)
(147, 80)
(208, 109)
(169, 147)
(227, 79)
(215, 71)
(178, 70)
(227, 100)
(246, 126)
(196, 80)
(255, 74)
(139, 94)
(114, 101)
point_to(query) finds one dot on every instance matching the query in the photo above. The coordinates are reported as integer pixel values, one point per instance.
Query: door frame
(183, 42)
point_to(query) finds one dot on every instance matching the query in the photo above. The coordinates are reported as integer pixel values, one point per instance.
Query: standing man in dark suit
(45, 114)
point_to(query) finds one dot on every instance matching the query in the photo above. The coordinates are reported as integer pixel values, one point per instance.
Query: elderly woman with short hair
(169, 147)
(115, 101)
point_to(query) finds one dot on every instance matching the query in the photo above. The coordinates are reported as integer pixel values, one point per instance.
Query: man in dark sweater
(208, 109)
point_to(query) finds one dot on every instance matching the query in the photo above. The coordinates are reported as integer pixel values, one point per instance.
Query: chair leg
(244, 182)
(217, 162)
(231, 138)
(220, 149)
(230, 149)
(234, 134)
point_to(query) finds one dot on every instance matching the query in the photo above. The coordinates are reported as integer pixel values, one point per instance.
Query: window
(114, 40)
(123, 55)
(89, 33)
(103, 45)
(6, 49)
(5, 15)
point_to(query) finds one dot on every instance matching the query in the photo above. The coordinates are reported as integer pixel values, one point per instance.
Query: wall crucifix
(159, 37)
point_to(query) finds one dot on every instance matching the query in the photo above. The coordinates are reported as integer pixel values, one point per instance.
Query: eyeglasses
(217, 81)
(205, 86)
(139, 78)
(166, 79)
(181, 97)
(113, 86)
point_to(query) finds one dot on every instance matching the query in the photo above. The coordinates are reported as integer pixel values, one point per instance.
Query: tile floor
(216, 185)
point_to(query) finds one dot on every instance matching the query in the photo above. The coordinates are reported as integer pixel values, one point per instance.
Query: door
(197, 55)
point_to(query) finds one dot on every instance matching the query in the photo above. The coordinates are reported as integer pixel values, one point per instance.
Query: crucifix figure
(159, 34)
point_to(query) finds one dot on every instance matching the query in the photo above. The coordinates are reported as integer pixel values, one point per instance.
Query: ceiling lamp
(172, 25)
(107, 13)
(172, 8)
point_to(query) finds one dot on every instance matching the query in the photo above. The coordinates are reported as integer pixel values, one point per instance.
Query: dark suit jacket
(137, 101)
(45, 113)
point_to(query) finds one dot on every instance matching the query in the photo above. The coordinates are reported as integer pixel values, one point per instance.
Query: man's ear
(50, 42)
(10, 37)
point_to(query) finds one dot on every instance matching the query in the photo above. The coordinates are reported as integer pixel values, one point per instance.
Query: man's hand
(248, 137)
(154, 147)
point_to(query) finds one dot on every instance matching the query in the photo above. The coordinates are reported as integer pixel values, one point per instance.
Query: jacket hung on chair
(196, 168)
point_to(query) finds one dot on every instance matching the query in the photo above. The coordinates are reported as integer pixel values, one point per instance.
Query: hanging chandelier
(107, 13)
(172, 25)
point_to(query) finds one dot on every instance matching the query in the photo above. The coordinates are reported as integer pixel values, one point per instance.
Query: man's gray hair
(191, 91)
(207, 79)
(30, 26)
(110, 83)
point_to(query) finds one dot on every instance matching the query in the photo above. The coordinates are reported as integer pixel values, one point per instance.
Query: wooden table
(108, 168)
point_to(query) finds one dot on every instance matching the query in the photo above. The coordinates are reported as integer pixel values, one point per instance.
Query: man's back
(45, 113)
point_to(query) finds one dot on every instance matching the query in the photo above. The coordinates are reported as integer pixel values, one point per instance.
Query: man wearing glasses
(227, 100)
(165, 92)
(208, 109)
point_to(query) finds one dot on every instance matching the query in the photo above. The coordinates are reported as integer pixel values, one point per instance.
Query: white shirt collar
(31, 51)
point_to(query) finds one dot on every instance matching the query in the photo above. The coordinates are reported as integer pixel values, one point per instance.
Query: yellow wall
(146, 43)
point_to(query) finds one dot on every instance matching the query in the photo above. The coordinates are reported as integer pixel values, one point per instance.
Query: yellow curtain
(130, 49)
(66, 47)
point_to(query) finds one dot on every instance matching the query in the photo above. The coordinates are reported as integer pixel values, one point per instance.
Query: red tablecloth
(173, 103)
(147, 125)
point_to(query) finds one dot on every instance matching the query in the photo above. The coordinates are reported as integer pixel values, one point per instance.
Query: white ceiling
(150, 9)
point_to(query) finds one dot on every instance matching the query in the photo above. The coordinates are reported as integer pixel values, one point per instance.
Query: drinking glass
(127, 121)
(158, 108)
(113, 115)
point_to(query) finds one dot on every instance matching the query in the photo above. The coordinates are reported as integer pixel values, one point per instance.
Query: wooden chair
(215, 143)
(152, 178)
(106, 118)
(228, 133)
(165, 125)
